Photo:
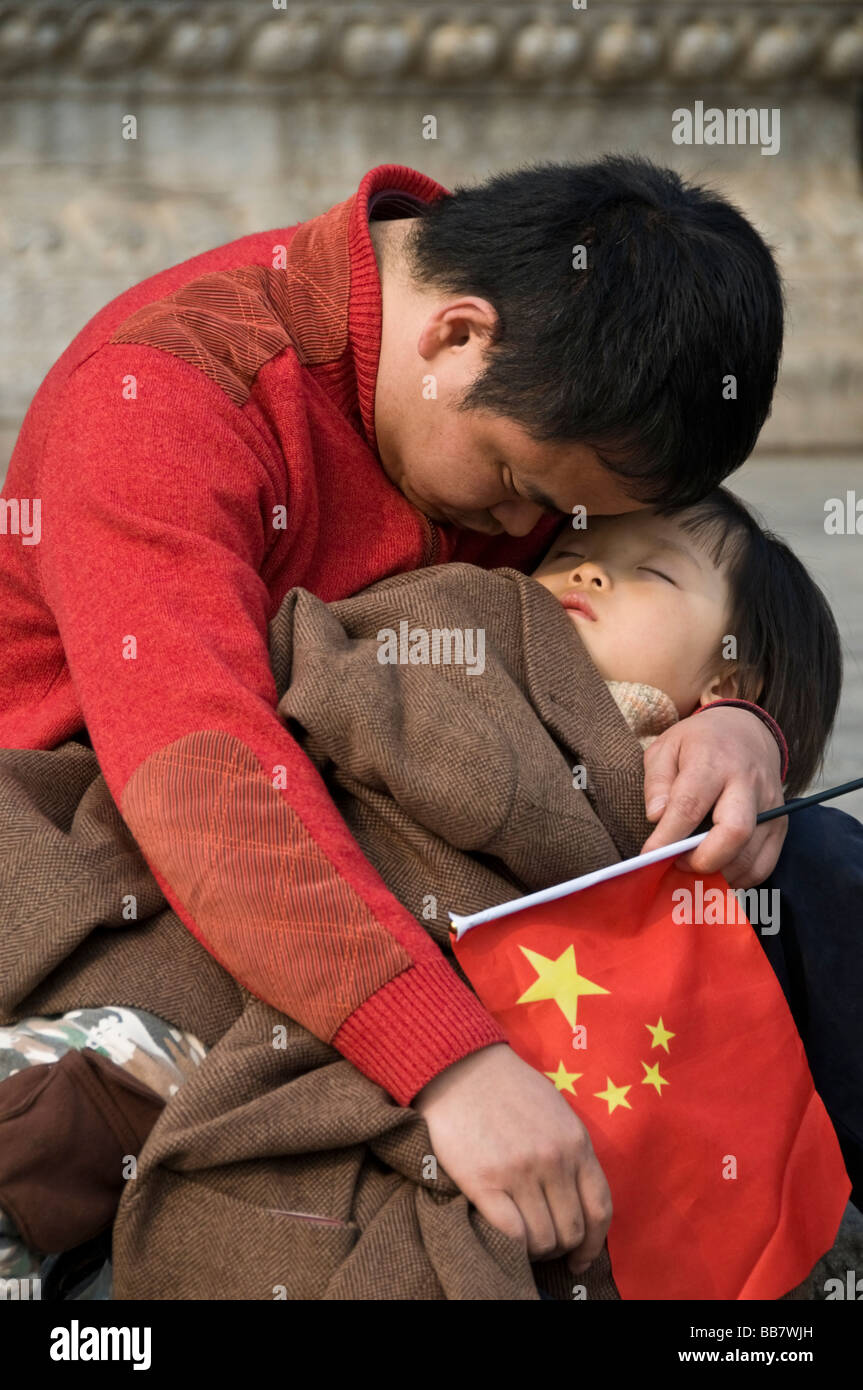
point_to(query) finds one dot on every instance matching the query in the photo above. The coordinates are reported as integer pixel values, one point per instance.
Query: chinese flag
(674, 1045)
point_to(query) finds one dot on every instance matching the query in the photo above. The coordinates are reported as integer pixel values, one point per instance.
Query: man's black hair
(789, 654)
(632, 354)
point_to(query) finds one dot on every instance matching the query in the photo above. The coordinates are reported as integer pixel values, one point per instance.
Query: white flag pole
(574, 885)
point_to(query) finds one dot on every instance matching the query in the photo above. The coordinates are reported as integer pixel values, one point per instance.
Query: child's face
(648, 603)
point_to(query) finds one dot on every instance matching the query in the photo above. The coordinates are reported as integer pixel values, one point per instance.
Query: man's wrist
(765, 719)
(451, 1074)
(415, 1027)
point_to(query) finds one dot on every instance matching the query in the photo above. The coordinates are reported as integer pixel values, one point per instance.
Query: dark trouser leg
(817, 955)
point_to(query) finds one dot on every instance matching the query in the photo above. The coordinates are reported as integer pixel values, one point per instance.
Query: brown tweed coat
(280, 1170)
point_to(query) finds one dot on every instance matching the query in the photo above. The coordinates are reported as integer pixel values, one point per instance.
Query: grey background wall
(253, 114)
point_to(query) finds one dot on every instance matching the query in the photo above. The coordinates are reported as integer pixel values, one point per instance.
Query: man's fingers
(691, 798)
(564, 1203)
(501, 1211)
(759, 858)
(596, 1205)
(733, 831)
(660, 770)
(744, 852)
(569, 1214)
(715, 855)
(542, 1242)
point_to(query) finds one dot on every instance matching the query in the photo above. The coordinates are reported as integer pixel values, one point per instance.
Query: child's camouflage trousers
(142, 1044)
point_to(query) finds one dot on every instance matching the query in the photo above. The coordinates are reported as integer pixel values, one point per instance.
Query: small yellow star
(660, 1034)
(653, 1077)
(558, 980)
(563, 1079)
(615, 1095)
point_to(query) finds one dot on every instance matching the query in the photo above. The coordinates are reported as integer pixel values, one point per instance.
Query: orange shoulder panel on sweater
(260, 893)
(229, 323)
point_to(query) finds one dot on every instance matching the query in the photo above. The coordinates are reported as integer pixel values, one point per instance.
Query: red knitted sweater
(206, 443)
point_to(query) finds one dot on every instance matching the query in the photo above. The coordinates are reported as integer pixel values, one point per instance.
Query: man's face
(485, 473)
(476, 469)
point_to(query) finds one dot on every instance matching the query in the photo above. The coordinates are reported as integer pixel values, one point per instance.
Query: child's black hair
(634, 354)
(789, 654)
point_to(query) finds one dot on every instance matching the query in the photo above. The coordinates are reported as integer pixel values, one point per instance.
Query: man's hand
(510, 1141)
(725, 760)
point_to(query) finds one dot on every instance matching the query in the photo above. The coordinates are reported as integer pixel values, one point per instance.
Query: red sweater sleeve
(156, 528)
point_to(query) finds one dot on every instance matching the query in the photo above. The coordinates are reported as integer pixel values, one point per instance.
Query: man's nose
(517, 517)
(590, 575)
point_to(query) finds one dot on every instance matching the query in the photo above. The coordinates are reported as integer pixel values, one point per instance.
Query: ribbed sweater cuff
(418, 1024)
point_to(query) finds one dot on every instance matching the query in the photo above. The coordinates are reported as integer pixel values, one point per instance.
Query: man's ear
(724, 685)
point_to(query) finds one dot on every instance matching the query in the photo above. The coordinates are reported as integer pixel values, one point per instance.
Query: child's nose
(591, 574)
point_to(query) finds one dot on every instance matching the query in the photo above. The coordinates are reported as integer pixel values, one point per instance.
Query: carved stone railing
(253, 115)
(585, 41)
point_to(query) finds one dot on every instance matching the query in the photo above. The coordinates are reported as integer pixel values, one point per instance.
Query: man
(309, 406)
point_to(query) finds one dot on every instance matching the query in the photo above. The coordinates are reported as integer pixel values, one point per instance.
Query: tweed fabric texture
(280, 1169)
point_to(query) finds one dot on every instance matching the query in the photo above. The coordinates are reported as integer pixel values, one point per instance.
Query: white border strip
(573, 885)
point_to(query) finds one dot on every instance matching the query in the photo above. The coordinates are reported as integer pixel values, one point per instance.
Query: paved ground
(790, 496)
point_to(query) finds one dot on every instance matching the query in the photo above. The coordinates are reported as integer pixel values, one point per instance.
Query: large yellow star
(660, 1034)
(563, 1079)
(615, 1095)
(558, 980)
(653, 1078)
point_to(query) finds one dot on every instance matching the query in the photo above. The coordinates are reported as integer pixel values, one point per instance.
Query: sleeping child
(680, 609)
(457, 788)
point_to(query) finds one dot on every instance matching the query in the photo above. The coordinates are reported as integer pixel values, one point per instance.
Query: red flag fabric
(673, 1043)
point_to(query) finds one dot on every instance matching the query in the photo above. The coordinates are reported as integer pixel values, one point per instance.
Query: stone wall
(258, 114)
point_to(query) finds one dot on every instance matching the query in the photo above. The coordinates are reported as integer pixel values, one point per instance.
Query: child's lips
(577, 603)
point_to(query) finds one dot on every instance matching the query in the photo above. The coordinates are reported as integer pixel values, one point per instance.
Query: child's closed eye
(667, 577)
